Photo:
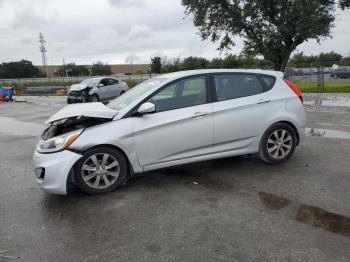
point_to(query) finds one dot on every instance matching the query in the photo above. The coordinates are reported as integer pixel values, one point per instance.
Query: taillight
(295, 89)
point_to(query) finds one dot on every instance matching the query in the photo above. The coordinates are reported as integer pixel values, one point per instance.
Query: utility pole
(43, 53)
(64, 67)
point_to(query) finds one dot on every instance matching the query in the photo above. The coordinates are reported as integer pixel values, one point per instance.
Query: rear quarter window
(269, 82)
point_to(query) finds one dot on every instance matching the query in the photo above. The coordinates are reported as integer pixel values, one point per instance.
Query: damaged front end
(67, 125)
(79, 96)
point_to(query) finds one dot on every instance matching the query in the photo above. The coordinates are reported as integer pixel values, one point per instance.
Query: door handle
(199, 114)
(263, 101)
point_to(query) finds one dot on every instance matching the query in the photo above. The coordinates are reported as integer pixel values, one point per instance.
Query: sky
(119, 31)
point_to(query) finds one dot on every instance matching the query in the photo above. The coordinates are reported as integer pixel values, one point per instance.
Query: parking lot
(233, 209)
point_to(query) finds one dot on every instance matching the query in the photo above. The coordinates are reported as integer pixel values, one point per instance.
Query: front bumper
(75, 99)
(52, 170)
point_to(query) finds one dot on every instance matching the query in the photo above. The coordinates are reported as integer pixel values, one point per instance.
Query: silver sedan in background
(97, 89)
(170, 120)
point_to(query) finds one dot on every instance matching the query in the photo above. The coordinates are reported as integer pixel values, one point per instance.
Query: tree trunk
(280, 65)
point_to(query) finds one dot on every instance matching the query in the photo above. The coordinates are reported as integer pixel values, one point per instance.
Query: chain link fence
(320, 77)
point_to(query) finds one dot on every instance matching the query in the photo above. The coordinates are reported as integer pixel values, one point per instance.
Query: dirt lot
(233, 209)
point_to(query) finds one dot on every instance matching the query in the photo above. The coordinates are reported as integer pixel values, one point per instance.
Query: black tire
(69, 101)
(80, 175)
(282, 145)
(94, 98)
(122, 92)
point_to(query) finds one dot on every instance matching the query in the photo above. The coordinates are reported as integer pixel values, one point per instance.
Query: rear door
(241, 111)
(114, 88)
(181, 127)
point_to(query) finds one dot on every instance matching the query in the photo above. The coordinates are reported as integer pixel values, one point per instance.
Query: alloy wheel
(279, 144)
(100, 171)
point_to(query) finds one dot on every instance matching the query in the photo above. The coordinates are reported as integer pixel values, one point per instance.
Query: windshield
(90, 81)
(133, 94)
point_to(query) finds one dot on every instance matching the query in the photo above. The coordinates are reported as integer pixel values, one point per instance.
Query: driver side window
(181, 94)
(104, 82)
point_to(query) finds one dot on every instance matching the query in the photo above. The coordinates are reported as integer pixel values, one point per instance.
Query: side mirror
(100, 85)
(146, 108)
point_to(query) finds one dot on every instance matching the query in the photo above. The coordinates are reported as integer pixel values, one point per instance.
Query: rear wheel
(278, 143)
(100, 170)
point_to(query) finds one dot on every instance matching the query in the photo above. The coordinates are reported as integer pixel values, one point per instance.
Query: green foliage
(344, 4)
(156, 65)
(230, 61)
(171, 65)
(140, 72)
(132, 82)
(73, 70)
(101, 69)
(345, 61)
(20, 69)
(192, 62)
(323, 59)
(269, 28)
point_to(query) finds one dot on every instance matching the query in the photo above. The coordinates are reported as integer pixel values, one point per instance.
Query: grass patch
(132, 82)
(329, 87)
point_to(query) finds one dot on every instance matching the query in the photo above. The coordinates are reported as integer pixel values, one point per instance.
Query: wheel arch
(70, 178)
(288, 123)
(130, 167)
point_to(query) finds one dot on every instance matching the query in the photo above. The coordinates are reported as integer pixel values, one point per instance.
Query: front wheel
(278, 143)
(100, 170)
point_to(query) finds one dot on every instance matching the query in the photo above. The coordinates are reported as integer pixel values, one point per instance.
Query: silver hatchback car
(96, 89)
(169, 120)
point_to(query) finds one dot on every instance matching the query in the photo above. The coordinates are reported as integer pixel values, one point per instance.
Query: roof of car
(206, 71)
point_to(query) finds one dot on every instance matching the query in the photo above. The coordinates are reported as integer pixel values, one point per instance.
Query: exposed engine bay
(67, 125)
(79, 95)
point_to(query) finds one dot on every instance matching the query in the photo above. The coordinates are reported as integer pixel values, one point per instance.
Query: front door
(181, 127)
(103, 89)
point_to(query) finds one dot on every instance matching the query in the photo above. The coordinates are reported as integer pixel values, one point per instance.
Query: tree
(345, 61)
(328, 59)
(100, 69)
(323, 59)
(73, 70)
(169, 65)
(270, 28)
(20, 69)
(156, 64)
(193, 62)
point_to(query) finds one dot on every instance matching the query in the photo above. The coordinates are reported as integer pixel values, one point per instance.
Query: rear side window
(269, 82)
(113, 81)
(231, 86)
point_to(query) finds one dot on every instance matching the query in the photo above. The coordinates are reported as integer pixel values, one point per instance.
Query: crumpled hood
(97, 110)
(77, 87)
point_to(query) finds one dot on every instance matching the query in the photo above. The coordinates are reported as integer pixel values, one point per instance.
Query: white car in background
(169, 120)
(97, 89)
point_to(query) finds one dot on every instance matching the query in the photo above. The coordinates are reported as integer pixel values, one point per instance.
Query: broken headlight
(58, 143)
